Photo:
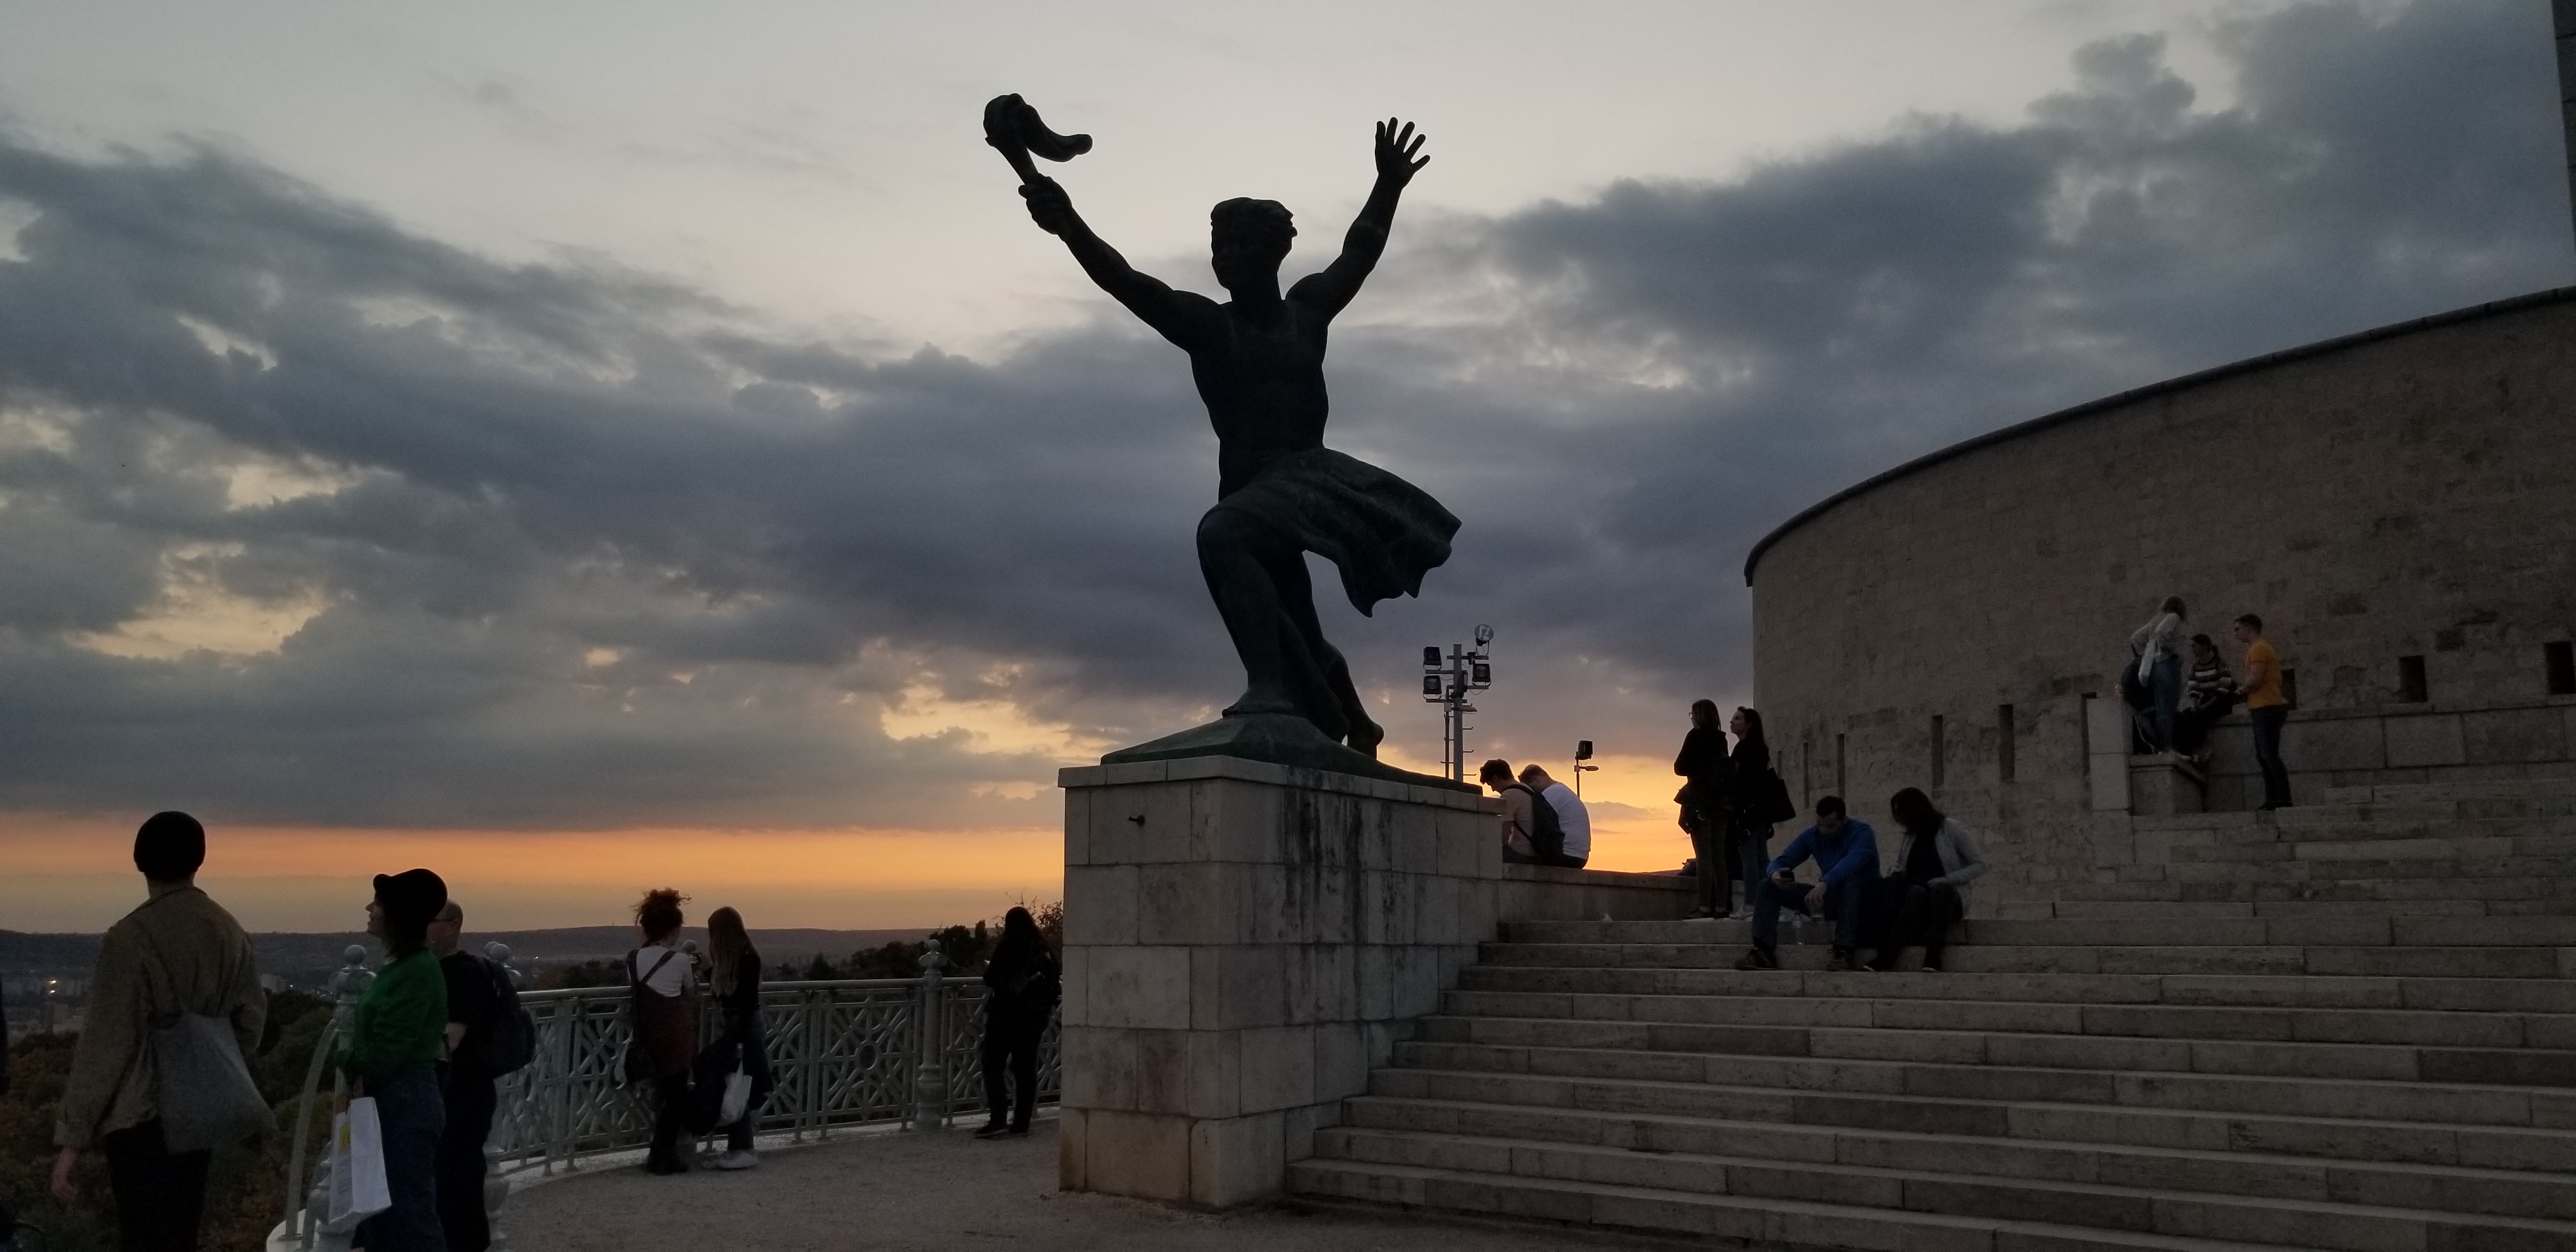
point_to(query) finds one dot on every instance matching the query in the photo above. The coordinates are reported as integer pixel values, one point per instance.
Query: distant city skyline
(584, 454)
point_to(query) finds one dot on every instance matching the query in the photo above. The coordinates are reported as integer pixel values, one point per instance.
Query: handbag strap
(644, 980)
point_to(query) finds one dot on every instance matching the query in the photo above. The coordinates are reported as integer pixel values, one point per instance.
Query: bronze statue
(1259, 363)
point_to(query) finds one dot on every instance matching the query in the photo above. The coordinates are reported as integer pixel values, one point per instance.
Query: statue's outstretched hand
(1049, 207)
(1395, 149)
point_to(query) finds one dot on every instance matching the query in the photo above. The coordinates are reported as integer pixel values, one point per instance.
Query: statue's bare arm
(1185, 318)
(1330, 291)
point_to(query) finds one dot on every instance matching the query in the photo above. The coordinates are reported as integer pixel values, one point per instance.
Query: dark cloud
(592, 548)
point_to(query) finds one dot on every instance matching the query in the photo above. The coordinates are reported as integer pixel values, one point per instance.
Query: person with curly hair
(663, 986)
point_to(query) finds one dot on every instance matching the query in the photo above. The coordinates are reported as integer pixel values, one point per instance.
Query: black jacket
(1703, 761)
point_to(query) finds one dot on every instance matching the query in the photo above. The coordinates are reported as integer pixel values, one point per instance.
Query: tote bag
(205, 1093)
(737, 1097)
(358, 1188)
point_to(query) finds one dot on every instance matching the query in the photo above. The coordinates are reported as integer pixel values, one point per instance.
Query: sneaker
(1930, 969)
(993, 1130)
(673, 1165)
(1703, 916)
(739, 1158)
(1759, 959)
(1840, 962)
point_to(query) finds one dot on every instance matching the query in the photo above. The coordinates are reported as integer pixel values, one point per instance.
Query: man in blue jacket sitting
(1846, 852)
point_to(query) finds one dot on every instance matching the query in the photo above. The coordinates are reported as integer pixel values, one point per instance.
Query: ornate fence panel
(844, 1053)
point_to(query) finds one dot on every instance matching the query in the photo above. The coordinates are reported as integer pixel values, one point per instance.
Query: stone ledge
(1188, 769)
(1554, 874)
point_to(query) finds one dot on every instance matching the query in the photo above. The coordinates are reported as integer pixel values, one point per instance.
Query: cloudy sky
(591, 446)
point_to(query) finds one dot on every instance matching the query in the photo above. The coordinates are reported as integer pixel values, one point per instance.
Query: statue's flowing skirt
(1382, 532)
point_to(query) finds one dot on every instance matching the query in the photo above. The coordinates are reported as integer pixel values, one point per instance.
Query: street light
(1447, 682)
(1582, 753)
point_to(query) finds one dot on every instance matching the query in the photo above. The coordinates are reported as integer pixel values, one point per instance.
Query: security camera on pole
(1447, 682)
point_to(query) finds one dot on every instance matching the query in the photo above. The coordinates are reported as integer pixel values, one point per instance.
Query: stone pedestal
(2164, 783)
(1243, 942)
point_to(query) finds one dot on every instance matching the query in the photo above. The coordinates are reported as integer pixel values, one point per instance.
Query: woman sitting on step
(1935, 862)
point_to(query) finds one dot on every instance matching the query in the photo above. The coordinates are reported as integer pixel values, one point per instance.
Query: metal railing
(843, 1053)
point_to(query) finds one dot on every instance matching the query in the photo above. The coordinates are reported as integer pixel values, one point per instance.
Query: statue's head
(1247, 239)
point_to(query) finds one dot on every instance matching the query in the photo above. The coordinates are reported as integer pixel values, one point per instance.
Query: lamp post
(1448, 681)
(1582, 753)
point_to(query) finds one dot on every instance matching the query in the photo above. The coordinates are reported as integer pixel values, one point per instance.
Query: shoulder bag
(201, 1084)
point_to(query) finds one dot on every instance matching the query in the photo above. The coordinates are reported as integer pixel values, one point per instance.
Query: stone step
(2392, 811)
(2283, 1024)
(2313, 907)
(2001, 1076)
(2485, 995)
(2293, 870)
(2455, 791)
(2381, 823)
(2144, 1210)
(2366, 856)
(1741, 1220)
(2386, 962)
(2122, 1053)
(2327, 1136)
(2266, 897)
(2301, 931)
(2516, 1193)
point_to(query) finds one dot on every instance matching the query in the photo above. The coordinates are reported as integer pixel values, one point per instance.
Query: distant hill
(304, 958)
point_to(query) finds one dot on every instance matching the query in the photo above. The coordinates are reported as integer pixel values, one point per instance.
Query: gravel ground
(949, 1192)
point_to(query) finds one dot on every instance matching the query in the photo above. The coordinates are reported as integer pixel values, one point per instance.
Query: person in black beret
(392, 1053)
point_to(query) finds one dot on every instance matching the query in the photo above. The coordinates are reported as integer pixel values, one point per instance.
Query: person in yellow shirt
(2268, 708)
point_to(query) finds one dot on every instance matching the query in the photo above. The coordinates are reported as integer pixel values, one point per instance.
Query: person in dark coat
(1707, 808)
(1023, 983)
(472, 1091)
(733, 973)
(1754, 785)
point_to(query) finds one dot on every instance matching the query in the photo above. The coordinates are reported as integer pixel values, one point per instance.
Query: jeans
(1773, 897)
(755, 1062)
(1717, 865)
(160, 1194)
(2166, 683)
(1924, 914)
(1015, 1043)
(1752, 853)
(414, 1116)
(2267, 753)
(471, 1098)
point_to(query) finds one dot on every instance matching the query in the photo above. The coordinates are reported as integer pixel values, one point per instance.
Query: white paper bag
(358, 1189)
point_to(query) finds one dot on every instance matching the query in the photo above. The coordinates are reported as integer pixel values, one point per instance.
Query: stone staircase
(2320, 1059)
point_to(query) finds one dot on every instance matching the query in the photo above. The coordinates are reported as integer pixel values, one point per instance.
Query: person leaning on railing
(391, 1053)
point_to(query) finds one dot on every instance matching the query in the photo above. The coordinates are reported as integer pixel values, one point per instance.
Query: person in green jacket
(391, 1053)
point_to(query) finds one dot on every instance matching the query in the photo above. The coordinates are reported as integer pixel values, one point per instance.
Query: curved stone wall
(2405, 493)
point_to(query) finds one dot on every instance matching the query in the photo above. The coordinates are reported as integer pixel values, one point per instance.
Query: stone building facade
(2399, 506)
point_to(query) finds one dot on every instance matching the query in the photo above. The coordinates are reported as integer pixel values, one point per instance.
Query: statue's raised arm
(1331, 290)
(1012, 126)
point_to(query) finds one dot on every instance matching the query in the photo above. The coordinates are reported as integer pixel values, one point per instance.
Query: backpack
(510, 1038)
(1548, 837)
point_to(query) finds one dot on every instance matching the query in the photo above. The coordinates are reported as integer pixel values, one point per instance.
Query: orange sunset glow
(73, 873)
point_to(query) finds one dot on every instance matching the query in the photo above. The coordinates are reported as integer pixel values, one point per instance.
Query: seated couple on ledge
(1916, 904)
(1544, 822)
